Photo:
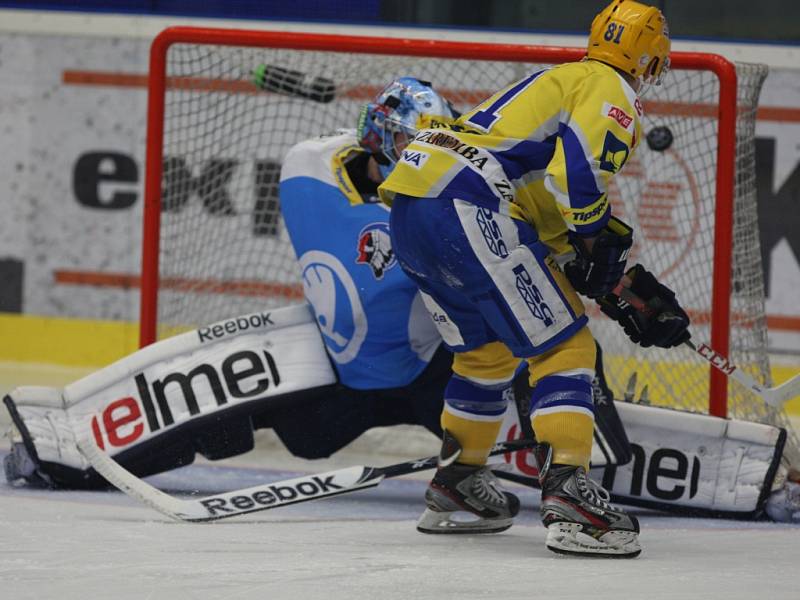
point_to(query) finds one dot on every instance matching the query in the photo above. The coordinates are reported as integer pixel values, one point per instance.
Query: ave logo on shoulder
(615, 113)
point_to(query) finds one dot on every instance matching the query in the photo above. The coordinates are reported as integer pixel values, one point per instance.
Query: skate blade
(568, 538)
(459, 521)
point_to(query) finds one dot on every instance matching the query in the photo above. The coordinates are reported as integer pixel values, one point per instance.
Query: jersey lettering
(486, 118)
(612, 29)
(475, 156)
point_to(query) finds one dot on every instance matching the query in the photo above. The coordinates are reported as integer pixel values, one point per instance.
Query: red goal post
(723, 110)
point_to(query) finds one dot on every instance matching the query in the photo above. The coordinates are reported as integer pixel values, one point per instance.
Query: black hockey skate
(579, 518)
(465, 498)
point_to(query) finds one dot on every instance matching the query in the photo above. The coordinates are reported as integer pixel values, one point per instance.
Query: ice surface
(86, 545)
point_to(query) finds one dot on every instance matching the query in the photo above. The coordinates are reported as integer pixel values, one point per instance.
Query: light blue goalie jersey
(375, 326)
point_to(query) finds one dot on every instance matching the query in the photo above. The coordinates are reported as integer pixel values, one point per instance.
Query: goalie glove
(660, 322)
(596, 272)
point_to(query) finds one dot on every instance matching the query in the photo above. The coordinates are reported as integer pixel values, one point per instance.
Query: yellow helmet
(632, 37)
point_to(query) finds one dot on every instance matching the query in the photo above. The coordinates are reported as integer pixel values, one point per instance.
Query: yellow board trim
(658, 375)
(69, 342)
(781, 373)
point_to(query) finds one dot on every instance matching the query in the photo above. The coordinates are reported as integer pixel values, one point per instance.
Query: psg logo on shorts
(375, 249)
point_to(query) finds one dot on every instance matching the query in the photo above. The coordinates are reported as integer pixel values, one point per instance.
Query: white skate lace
(592, 491)
(487, 489)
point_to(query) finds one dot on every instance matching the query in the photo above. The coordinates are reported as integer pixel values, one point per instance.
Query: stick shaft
(261, 497)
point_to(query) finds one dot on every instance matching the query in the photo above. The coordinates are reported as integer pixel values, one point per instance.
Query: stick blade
(138, 489)
(787, 390)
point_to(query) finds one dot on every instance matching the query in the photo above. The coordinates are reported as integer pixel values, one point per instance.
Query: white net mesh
(224, 250)
(668, 197)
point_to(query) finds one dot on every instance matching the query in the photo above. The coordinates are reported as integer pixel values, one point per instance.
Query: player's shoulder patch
(414, 158)
(617, 114)
(615, 153)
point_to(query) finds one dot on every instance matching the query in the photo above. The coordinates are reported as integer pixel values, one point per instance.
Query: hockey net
(215, 245)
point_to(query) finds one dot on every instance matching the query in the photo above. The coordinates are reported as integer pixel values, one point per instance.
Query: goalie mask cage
(214, 245)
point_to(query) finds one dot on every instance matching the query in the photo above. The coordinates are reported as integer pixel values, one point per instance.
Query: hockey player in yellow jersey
(500, 220)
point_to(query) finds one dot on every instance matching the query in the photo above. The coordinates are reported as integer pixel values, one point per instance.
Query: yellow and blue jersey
(541, 150)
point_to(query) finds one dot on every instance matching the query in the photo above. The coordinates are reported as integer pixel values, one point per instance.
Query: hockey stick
(265, 496)
(775, 396)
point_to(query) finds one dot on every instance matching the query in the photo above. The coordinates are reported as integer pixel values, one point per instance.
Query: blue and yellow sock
(476, 398)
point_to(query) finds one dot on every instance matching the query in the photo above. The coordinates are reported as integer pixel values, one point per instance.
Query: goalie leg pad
(156, 408)
(695, 464)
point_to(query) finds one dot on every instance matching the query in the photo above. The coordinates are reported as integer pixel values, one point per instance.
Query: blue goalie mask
(390, 122)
